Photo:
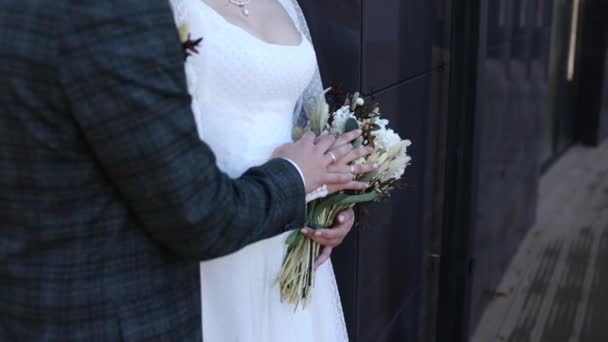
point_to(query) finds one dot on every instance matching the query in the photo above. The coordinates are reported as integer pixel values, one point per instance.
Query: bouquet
(297, 277)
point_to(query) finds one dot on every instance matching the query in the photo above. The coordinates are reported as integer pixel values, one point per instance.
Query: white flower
(360, 102)
(406, 143)
(340, 117)
(386, 139)
(396, 168)
(380, 122)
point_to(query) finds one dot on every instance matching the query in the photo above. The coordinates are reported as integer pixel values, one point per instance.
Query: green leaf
(333, 199)
(368, 176)
(350, 125)
(352, 199)
(293, 238)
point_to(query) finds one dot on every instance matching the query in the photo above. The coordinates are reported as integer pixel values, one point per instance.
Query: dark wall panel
(604, 108)
(402, 39)
(398, 37)
(390, 254)
(512, 93)
(592, 116)
(397, 52)
(336, 29)
(335, 26)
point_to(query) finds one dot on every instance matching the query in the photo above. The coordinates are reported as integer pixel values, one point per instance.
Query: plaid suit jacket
(108, 199)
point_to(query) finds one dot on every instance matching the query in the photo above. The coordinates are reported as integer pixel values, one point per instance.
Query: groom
(108, 199)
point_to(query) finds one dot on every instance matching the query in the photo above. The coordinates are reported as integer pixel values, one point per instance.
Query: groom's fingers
(325, 142)
(352, 185)
(323, 257)
(336, 178)
(356, 153)
(346, 138)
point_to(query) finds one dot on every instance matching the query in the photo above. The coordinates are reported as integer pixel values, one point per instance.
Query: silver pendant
(241, 4)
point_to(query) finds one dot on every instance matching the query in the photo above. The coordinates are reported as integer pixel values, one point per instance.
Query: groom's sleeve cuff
(318, 193)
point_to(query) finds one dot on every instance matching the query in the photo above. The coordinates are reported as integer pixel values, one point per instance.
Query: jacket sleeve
(122, 70)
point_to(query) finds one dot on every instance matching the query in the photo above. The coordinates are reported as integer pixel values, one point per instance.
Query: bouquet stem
(297, 277)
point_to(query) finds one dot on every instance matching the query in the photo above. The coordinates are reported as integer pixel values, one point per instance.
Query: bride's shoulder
(182, 9)
(191, 13)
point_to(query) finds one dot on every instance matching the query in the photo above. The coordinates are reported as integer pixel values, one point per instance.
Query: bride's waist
(244, 134)
(235, 153)
(247, 111)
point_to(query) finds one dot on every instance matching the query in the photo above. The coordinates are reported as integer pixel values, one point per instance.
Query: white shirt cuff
(299, 171)
(317, 193)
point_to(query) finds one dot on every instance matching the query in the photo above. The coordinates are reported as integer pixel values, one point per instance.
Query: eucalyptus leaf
(352, 199)
(350, 125)
(368, 177)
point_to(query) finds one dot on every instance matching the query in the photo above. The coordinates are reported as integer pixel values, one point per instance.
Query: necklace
(241, 4)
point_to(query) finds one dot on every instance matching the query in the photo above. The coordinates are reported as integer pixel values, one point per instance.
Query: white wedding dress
(244, 91)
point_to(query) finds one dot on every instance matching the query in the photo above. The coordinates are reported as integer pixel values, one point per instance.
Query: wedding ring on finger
(333, 156)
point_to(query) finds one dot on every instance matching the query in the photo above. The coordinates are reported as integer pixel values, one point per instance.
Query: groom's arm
(123, 74)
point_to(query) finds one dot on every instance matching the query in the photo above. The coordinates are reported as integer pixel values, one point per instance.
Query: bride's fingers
(334, 236)
(323, 257)
(346, 217)
(330, 238)
(321, 237)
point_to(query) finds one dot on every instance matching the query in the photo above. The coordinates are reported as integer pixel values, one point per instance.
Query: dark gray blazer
(108, 199)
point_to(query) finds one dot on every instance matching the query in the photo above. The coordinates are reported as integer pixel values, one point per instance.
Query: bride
(254, 68)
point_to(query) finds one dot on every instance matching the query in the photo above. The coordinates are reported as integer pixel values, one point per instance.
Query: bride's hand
(332, 237)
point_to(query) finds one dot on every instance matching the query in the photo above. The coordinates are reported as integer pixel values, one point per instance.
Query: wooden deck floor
(556, 288)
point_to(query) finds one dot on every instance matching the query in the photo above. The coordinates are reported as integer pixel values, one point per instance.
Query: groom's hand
(332, 237)
(313, 160)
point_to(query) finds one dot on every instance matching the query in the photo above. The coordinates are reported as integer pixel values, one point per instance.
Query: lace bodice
(244, 89)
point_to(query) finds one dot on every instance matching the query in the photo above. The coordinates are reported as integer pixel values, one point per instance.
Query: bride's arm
(125, 82)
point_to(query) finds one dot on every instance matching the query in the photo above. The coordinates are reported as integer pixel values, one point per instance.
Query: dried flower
(296, 279)
(189, 46)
